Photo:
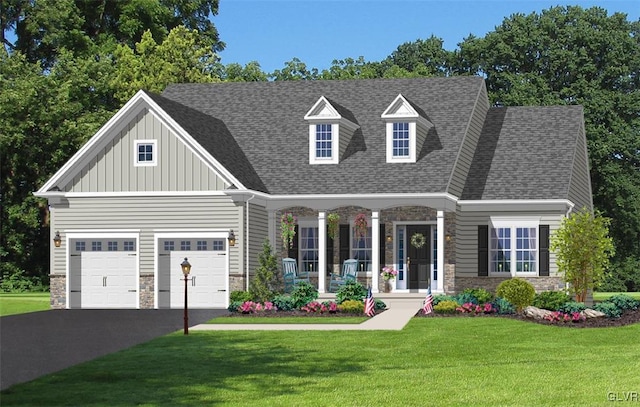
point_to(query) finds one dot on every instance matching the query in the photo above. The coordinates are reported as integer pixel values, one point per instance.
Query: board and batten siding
(149, 215)
(580, 186)
(467, 237)
(177, 168)
(469, 144)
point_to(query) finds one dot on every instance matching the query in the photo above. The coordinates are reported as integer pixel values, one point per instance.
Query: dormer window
(406, 130)
(329, 131)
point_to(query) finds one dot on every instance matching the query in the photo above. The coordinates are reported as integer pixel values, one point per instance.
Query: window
(185, 245)
(309, 248)
(169, 245)
(81, 246)
(501, 250)
(96, 246)
(401, 139)
(129, 246)
(112, 246)
(324, 141)
(361, 248)
(145, 152)
(513, 249)
(218, 244)
(201, 245)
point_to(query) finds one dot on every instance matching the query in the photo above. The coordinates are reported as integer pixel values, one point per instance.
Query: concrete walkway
(397, 315)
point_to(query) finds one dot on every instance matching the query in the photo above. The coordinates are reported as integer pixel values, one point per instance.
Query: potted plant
(360, 224)
(333, 220)
(288, 229)
(389, 276)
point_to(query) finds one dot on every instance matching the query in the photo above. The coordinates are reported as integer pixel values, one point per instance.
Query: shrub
(233, 306)
(352, 306)
(551, 300)
(480, 294)
(624, 302)
(379, 305)
(442, 297)
(503, 306)
(284, 302)
(466, 298)
(240, 296)
(571, 307)
(609, 309)
(250, 307)
(332, 306)
(351, 290)
(558, 316)
(315, 307)
(265, 280)
(469, 307)
(517, 291)
(445, 307)
(303, 293)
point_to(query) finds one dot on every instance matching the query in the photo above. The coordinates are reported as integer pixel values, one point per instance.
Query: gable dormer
(329, 132)
(406, 131)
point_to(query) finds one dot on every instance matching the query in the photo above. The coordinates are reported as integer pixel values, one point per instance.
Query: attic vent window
(145, 153)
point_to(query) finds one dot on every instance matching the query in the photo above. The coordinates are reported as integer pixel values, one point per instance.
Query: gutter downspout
(247, 243)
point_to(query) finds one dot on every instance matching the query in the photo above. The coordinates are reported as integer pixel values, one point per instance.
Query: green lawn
(433, 361)
(598, 296)
(11, 304)
(287, 320)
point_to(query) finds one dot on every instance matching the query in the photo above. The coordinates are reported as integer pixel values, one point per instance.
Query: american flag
(428, 303)
(369, 304)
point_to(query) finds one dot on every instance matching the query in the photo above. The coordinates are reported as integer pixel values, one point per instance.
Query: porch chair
(349, 273)
(290, 274)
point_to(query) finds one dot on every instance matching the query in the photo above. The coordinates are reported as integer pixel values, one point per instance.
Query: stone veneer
(490, 283)
(58, 290)
(146, 290)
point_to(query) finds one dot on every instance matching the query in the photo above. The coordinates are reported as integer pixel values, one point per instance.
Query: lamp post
(186, 269)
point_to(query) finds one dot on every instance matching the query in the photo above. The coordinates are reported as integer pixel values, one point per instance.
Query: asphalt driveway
(39, 343)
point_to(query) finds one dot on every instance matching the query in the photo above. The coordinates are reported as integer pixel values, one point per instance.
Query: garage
(103, 272)
(207, 287)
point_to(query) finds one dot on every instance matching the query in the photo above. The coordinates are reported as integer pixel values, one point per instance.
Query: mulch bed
(628, 318)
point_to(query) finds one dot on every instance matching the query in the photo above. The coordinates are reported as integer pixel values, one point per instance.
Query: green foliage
(609, 309)
(303, 293)
(18, 282)
(550, 300)
(234, 305)
(624, 302)
(572, 306)
(351, 290)
(442, 297)
(263, 284)
(241, 296)
(503, 306)
(352, 306)
(517, 291)
(284, 302)
(623, 275)
(379, 304)
(481, 295)
(583, 248)
(466, 297)
(446, 307)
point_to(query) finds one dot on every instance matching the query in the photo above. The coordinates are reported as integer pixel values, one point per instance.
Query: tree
(583, 248)
(265, 281)
(424, 57)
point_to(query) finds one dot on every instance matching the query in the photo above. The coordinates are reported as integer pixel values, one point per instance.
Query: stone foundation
(146, 290)
(490, 283)
(58, 290)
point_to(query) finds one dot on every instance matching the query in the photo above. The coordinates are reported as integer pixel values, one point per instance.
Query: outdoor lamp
(389, 238)
(186, 267)
(57, 240)
(232, 238)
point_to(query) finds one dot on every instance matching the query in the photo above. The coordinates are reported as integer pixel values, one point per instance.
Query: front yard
(433, 361)
(11, 304)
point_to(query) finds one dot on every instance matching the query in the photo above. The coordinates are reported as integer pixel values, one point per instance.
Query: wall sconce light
(232, 238)
(389, 238)
(57, 240)
(448, 238)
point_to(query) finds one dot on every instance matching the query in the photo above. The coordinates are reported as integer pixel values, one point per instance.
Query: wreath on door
(418, 240)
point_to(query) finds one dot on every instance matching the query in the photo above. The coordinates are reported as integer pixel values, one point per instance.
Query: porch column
(272, 229)
(322, 251)
(440, 249)
(375, 250)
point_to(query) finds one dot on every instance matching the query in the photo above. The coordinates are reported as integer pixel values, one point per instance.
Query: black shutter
(293, 250)
(544, 250)
(483, 250)
(382, 245)
(329, 258)
(345, 252)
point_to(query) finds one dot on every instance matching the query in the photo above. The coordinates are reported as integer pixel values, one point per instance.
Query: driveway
(39, 343)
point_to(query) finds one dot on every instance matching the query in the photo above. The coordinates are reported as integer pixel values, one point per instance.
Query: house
(455, 193)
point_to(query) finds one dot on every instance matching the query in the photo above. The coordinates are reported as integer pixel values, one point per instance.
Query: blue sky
(273, 32)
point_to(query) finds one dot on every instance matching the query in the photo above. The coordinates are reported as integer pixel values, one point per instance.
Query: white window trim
(307, 223)
(335, 143)
(513, 224)
(151, 163)
(411, 158)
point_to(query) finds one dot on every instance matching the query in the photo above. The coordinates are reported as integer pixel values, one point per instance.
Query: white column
(272, 230)
(440, 249)
(322, 251)
(375, 250)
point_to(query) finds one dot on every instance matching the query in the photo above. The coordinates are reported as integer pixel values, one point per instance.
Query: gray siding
(149, 215)
(258, 231)
(580, 186)
(469, 143)
(177, 169)
(467, 237)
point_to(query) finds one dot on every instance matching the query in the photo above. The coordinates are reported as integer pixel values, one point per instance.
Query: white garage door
(207, 287)
(103, 273)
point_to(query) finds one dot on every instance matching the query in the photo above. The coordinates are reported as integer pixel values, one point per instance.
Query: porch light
(448, 238)
(389, 238)
(57, 240)
(232, 238)
(186, 267)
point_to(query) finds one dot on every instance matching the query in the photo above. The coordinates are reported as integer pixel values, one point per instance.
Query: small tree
(583, 248)
(262, 286)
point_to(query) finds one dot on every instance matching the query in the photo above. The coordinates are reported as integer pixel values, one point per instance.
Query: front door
(418, 258)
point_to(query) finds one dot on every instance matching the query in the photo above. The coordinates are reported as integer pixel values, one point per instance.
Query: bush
(379, 305)
(352, 306)
(351, 290)
(503, 306)
(550, 300)
(240, 296)
(445, 307)
(284, 302)
(623, 302)
(442, 297)
(609, 309)
(481, 295)
(517, 291)
(303, 293)
(265, 280)
(234, 305)
(466, 298)
(571, 306)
